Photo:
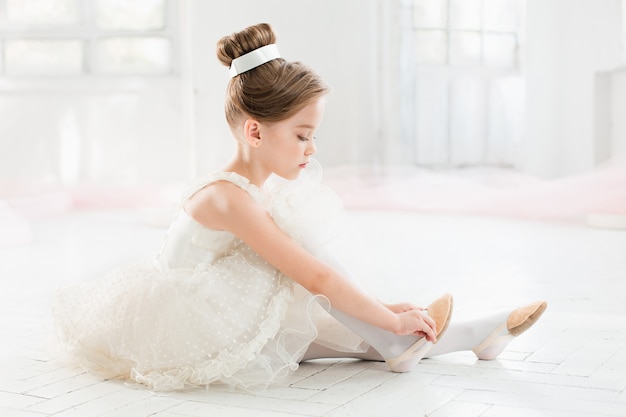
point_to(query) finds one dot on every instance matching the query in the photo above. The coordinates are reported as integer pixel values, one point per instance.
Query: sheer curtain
(393, 85)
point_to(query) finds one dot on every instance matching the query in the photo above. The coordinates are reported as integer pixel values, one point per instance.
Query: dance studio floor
(572, 363)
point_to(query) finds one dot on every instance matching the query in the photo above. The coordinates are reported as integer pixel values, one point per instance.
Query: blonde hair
(270, 92)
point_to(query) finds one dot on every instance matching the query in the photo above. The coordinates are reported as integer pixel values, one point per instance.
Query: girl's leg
(388, 345)
(316, 351)
(468, 333)
(400, 352)
(489, 335)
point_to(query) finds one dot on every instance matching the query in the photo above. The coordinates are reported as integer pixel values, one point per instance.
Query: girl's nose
(311, 149)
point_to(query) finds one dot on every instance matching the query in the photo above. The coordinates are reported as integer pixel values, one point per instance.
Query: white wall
(610, 108)
(568, 41)
(617, 137)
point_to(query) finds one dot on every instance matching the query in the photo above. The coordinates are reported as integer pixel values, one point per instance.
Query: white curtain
(394, 85)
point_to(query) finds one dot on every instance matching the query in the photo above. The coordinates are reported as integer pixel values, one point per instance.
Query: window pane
(465, 14)
(44, 57)
(430, 46)
(500, 50)
(467, 127)
(431, 120)
(465, 48)
(501, 15)
(506, 119)
(130, 15)
(133, 56)
(42, 12)
(430, 13)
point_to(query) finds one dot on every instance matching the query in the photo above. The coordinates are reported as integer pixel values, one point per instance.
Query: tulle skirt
(237, 321)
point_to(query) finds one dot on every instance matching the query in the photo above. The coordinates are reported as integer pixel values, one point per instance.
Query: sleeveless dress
(208, 309)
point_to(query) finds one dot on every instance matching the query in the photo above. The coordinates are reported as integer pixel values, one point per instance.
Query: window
(468, 96)
(53, 38)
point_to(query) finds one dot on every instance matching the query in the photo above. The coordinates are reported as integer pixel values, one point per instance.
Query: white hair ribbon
(253, 59)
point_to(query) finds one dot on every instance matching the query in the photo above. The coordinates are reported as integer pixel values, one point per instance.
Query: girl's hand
(417, 323)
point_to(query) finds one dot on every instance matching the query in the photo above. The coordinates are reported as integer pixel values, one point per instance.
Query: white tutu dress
(208, 309)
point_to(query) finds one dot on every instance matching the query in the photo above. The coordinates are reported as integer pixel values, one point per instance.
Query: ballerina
(244, 287)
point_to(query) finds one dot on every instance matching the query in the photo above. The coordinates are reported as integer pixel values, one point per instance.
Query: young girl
(244, 288)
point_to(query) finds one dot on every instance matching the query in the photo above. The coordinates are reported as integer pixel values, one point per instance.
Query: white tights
(461, 335)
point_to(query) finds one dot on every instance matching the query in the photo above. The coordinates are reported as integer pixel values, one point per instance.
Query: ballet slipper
(517, 323)
(440, 311)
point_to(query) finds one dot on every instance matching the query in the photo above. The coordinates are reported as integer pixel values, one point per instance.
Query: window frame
(484, 73)
(86, 31)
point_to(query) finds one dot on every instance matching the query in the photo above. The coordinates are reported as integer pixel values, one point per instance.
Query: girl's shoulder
(216, 196)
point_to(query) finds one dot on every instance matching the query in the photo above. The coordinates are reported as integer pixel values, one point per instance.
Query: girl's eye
(303, 138)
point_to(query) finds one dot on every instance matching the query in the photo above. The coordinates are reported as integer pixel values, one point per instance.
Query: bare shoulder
(215, 205)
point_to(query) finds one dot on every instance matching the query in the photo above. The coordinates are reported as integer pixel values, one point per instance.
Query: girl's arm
(225, 206)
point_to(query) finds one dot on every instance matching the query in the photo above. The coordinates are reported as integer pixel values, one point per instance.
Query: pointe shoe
(440, 311)
(517, 323)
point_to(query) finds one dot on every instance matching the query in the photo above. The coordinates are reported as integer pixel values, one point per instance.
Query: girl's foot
(517, 323)
(440, 311)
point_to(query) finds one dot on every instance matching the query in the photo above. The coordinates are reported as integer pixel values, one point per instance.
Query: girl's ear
(251, 130)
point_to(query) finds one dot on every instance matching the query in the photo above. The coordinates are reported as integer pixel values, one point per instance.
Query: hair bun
(240, 43)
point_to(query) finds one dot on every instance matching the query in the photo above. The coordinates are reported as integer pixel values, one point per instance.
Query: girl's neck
(254, 173)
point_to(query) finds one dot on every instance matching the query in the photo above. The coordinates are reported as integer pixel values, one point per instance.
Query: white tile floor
(573, 363)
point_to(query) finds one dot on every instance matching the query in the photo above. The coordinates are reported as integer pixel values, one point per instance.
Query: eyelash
(304, 138)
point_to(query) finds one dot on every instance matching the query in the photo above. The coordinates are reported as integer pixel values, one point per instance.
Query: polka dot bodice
(187, 243)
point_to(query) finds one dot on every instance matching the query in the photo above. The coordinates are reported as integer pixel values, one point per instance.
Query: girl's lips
(304, 165)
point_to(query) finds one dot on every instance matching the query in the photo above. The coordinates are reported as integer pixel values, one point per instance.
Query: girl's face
(286, 146)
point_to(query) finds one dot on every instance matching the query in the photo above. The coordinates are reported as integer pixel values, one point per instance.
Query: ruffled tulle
(179, 328)
(304, 208)
(235, 320)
